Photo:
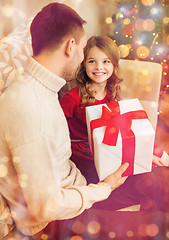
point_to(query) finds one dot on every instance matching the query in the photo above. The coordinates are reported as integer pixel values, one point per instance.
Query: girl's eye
(91, 61)
(107, 61)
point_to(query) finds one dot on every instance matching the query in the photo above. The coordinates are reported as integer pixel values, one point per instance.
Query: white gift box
(107, 157)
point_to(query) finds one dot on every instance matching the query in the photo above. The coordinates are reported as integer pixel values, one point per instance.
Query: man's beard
(68, 72)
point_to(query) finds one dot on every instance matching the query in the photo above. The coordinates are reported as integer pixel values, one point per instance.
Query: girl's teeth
(99, 74)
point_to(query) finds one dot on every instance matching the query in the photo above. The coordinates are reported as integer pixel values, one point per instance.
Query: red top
(76, 118)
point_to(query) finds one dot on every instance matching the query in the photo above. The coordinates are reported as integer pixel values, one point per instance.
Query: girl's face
(98, 66)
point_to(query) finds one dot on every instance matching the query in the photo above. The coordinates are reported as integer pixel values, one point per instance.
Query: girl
(97, 83)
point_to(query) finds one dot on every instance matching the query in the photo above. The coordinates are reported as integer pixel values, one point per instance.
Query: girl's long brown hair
(109, 47)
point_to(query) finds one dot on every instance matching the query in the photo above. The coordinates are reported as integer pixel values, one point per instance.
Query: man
(37, 179)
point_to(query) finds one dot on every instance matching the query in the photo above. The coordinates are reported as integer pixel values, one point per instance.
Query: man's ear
(69, 49)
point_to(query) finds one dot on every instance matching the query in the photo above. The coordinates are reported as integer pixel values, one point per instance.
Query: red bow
(115, 122)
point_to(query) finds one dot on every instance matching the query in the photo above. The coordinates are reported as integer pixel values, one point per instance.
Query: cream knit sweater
(37, 178)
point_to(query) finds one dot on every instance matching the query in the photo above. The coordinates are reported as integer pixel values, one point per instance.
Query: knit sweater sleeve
(45, 196)
(41, 183)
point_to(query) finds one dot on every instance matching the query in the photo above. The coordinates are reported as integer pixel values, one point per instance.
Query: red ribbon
(115, 122)
(158, 152)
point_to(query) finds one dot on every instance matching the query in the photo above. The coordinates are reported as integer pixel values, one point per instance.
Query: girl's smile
(98, 66)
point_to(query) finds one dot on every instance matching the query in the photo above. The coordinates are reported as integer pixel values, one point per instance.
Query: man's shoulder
(16, 99)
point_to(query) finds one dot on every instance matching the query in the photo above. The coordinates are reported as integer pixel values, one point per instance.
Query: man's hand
(115, 179)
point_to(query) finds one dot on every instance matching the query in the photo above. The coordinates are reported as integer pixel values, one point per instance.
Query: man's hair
(52, 25)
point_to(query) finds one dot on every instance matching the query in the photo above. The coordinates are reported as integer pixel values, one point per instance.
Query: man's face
(75, 60)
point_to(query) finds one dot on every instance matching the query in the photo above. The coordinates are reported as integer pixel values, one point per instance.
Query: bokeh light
(94, 227)
(22, 180)
(130, 233)
(144, 78)
(126, 21)
(167, 234)
(3, 170)
(23, 184)
(145, 72)
(16, 159)
(142, 52)
(148, 25)
(148, 88)
(128, 45)
(2, 84)
(124, 50)
(142, 230)
(44, 237)
(78, 227)
(20, 77)
(168, 39)
(152, 230)
(76, 238)
(108, 20)
(166, 20)
(119, 16)
(139, 25)
(112, 235)
(5, 159)
(129, 29)
(138, 42)
(8, 10)
(161, 49)
(154, 11)
(148, 2)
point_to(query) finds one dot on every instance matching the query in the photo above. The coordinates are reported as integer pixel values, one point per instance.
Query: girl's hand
(163, 161)
(115, 179)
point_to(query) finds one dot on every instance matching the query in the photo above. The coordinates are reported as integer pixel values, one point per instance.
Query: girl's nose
(99, 66)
